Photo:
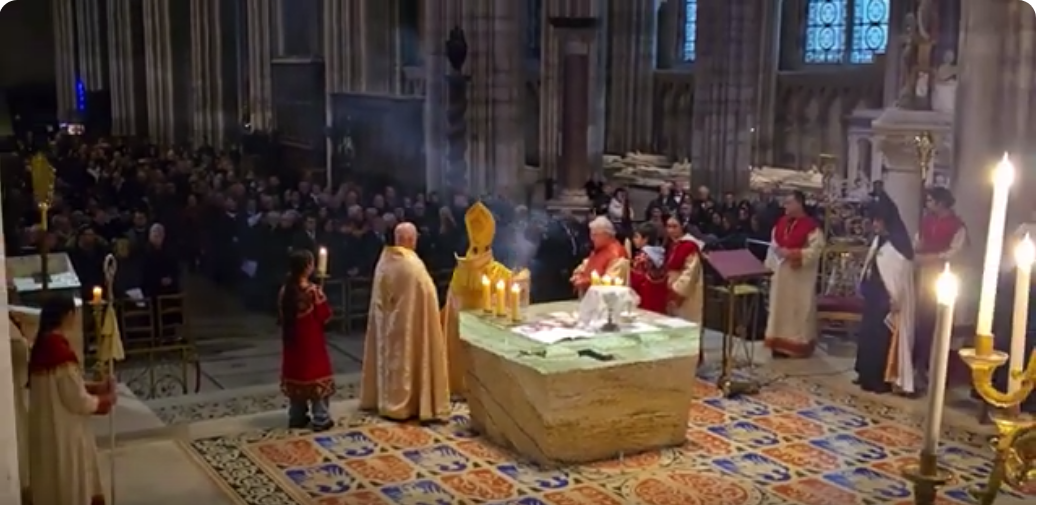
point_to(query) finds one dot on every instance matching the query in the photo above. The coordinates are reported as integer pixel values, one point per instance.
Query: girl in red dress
(306, 368)
(648, 278)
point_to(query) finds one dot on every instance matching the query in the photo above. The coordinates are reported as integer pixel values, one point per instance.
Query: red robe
(936, 233)
(792, 234)
(306, 368)
(678, 253)
(598, 262)
(650, 282)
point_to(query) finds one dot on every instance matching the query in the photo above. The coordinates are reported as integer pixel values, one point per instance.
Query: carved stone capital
(897, 131)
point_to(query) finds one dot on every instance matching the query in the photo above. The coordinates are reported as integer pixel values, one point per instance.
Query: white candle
(1004, 175)
(322, 261)
(1021, 307)
(947, 291)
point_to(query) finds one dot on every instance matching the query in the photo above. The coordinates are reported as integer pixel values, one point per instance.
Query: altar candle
(947, 288)
(595, 279)
(487, 305)
(517, 292)
(1021, 308)
(96, 294)
(500, 293)
(607, 280)
(322, 262)
(1004, 175)
(618, 282)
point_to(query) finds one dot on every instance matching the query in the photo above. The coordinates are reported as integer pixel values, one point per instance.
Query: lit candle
(96, 294)
(487, 305)
(595, 279)
(322, 262)
(1021, 308)
(947, 288)
(517, 292)
(607, 280)
(500, 293)
(618, 282)
(1004, 175)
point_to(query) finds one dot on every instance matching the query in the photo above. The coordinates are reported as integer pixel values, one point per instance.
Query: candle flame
(947, 287)
(1025, 253)
(516, 288)
(1005, 173)
(501, 285)
(485, 280)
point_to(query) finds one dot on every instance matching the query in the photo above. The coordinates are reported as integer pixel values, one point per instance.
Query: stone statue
(948, 71)
(909, 42)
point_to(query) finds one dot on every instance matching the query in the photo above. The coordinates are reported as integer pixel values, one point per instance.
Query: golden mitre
(480, 226)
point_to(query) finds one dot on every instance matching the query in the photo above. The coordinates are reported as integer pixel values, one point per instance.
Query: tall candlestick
(1004, 175)
(517, 292)
(487, 304)
(1021, 308)
(322, 262)
(95, 294)
(947, 291)
(500, 293)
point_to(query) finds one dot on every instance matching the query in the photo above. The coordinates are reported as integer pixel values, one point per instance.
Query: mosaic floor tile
(796, 443)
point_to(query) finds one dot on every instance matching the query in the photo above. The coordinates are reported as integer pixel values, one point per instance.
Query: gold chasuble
(466, 288)
(405, 356)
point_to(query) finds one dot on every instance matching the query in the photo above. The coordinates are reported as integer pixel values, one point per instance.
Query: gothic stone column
(261, 43)
(631, 59)
(126, 78)
(65, 56)
(576, 35)
(213, 69)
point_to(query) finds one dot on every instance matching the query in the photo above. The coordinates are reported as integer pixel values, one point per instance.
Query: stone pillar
(261, 44)
(213, 98)
(996, 87)
(576, 36)
(496, 71)
(631, 58)
(91, 44)
(126, 78)
(436, 22)
(167, 68)
(552, 82)
(729, 89)
(65, 71)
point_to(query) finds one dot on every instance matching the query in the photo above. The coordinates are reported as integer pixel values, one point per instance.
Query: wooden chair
(136, 324)
(358, 298)
(839, 305)
(335, 290)
(176, 341)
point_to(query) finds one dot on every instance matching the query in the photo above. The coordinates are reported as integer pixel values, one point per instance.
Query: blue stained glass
(688, 49)
(825, 31)
(871, 27)
(80, 95)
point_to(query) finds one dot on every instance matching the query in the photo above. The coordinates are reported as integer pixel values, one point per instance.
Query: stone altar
(25, 277)
(580, 400)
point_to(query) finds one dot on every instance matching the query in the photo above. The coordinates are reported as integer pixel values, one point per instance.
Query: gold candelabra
(43, 179)
(1014, 448)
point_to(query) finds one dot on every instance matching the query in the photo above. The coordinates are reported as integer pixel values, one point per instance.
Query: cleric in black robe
(884, 359)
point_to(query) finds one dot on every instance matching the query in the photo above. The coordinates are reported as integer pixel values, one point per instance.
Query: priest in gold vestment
(405, 354)
(466, 288)
(63, 458)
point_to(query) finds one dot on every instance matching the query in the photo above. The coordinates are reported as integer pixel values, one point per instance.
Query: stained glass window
(826, 31)
(869, 35)
(688, 49)
(845, 31)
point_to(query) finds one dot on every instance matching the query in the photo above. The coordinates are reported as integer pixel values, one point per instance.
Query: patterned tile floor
(796, 443)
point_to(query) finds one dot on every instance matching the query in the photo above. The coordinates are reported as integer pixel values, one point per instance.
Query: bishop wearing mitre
(466, 287)
(608, 256)
(405, 354)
